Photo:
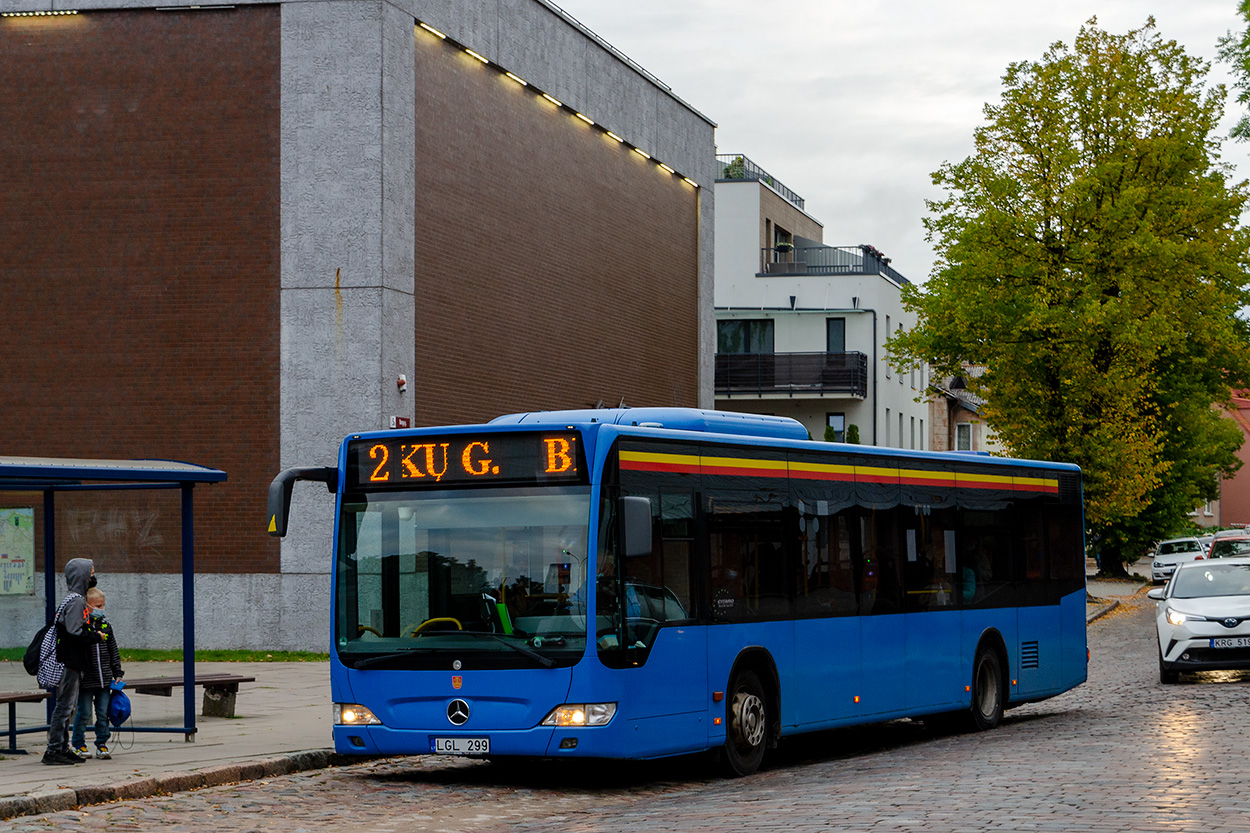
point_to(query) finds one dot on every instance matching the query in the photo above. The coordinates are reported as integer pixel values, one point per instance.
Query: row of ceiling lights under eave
(39, 14)
(553, 100)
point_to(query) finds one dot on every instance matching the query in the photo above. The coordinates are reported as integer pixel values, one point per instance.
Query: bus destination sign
(464, 459)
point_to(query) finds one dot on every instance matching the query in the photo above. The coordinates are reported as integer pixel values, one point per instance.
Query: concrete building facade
(231, 230)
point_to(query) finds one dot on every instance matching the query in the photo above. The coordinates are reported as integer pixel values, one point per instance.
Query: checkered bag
(50, 670)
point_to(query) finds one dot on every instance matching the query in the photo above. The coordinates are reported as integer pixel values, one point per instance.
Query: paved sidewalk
(282, 725)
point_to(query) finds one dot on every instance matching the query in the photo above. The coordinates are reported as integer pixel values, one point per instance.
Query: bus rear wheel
(987, 690)
(747, 724)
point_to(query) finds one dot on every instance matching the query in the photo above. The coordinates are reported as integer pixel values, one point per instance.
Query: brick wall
(139, 257)
(555, 267)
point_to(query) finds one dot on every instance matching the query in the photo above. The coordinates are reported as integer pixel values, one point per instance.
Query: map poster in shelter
(17, 552)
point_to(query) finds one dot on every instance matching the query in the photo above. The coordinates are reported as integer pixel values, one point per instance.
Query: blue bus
(644, 582)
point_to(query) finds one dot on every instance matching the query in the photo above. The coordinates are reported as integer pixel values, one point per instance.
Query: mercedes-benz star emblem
(455, 665)
(458, 712)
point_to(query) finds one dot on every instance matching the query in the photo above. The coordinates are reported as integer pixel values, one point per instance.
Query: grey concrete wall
(347, 241)
(258, 611)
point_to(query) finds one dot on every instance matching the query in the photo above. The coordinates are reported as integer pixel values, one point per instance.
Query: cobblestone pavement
(1120, 753)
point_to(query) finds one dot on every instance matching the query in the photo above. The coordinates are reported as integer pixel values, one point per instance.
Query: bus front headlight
(581, 714)
(351, 714)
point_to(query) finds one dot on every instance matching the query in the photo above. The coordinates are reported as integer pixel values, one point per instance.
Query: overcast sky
(853, 104)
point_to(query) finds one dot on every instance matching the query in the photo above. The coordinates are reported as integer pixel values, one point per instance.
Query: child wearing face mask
(94, 690)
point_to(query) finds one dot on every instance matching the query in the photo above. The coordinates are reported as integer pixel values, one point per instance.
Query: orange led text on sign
(559, 456)
(480, 466)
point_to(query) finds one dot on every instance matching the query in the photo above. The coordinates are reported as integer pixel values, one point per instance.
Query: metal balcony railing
(734, 167)
(827, 260)
(795, 374)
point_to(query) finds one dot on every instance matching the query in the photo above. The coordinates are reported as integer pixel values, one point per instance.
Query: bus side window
(747, 577)
(929, 572)
(881, 583)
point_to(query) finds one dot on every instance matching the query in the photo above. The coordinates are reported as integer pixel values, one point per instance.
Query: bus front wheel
(747, 719)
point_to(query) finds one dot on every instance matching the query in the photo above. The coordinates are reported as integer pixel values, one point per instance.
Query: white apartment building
(801, 326)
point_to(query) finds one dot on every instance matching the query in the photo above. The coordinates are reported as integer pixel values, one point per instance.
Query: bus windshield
(493, 576)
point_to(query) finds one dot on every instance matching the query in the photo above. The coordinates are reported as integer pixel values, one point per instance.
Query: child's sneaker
(102, 752)
(81, 751)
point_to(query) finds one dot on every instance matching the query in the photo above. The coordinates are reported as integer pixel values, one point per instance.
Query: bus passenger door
(883, 636)
(667, 696)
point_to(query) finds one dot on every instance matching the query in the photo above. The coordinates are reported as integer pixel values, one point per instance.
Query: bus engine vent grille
(1029, 657)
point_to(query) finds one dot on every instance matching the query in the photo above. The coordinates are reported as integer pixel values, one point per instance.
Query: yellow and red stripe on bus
(746, 466)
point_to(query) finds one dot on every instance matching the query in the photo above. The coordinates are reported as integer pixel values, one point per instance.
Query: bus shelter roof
(42, 473)
(58, 474)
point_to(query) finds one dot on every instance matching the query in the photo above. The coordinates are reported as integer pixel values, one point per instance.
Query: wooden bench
(220, 690)
(12, 698)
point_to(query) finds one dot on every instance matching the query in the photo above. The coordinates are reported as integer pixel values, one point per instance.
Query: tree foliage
(1235, 50)
(1089, 256)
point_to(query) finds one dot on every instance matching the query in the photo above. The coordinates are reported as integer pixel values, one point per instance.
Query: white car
(1203, 617)
(1171, 552)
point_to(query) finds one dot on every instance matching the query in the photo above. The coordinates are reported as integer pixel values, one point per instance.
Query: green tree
(1089, 256)
(1235, 50)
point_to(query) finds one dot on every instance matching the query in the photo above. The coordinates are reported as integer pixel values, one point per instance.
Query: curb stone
(1102, 611)
(51, 801)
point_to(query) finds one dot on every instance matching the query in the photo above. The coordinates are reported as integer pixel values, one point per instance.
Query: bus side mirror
(635, 515)
(280, 493)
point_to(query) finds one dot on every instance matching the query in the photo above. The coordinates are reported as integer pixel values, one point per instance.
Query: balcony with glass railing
(791, 374)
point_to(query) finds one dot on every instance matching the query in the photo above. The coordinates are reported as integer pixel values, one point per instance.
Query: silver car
(1171, 552)
(1202, 618)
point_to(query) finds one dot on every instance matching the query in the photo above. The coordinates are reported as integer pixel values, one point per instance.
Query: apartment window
(835, 335)
(900, 431)
(963, 436)
(922, 435)
(745, 336)
(887, 427)
(913, 433)
(838, 423)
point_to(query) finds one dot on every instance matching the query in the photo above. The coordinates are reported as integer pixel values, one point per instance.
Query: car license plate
(1231, 642)
(460, 746)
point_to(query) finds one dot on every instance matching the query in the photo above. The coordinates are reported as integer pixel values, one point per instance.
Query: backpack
(30, 660)
(119, 705)
(50, 670)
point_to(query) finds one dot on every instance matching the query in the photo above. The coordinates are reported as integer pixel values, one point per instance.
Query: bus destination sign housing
(409, 462)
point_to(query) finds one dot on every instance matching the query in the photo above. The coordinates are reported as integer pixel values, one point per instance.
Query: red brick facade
(139, 269)
(556, 268)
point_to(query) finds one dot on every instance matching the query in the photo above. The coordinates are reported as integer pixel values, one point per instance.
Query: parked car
(1230, 546)
(1203, 618)
(1171, 552)
(1206, 540)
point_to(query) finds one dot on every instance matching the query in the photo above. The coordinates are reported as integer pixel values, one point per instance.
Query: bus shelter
(50, 475)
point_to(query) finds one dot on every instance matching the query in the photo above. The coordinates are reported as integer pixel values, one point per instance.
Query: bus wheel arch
(752, 709)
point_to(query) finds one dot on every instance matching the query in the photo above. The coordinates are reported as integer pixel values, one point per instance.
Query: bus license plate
(460, 746)
(1231, 642)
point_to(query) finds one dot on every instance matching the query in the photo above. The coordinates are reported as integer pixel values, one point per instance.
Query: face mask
(97, 614)
(91, 582)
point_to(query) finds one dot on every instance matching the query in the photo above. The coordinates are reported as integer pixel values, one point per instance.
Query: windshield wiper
(378, 660)
(545, 662)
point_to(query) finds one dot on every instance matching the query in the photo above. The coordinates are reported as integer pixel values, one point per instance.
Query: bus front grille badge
(458, 712)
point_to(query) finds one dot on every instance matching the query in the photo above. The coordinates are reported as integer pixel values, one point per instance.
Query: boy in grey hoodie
(74, 638)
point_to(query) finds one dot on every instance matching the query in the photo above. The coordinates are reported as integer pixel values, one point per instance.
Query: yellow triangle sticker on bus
(273, 524)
